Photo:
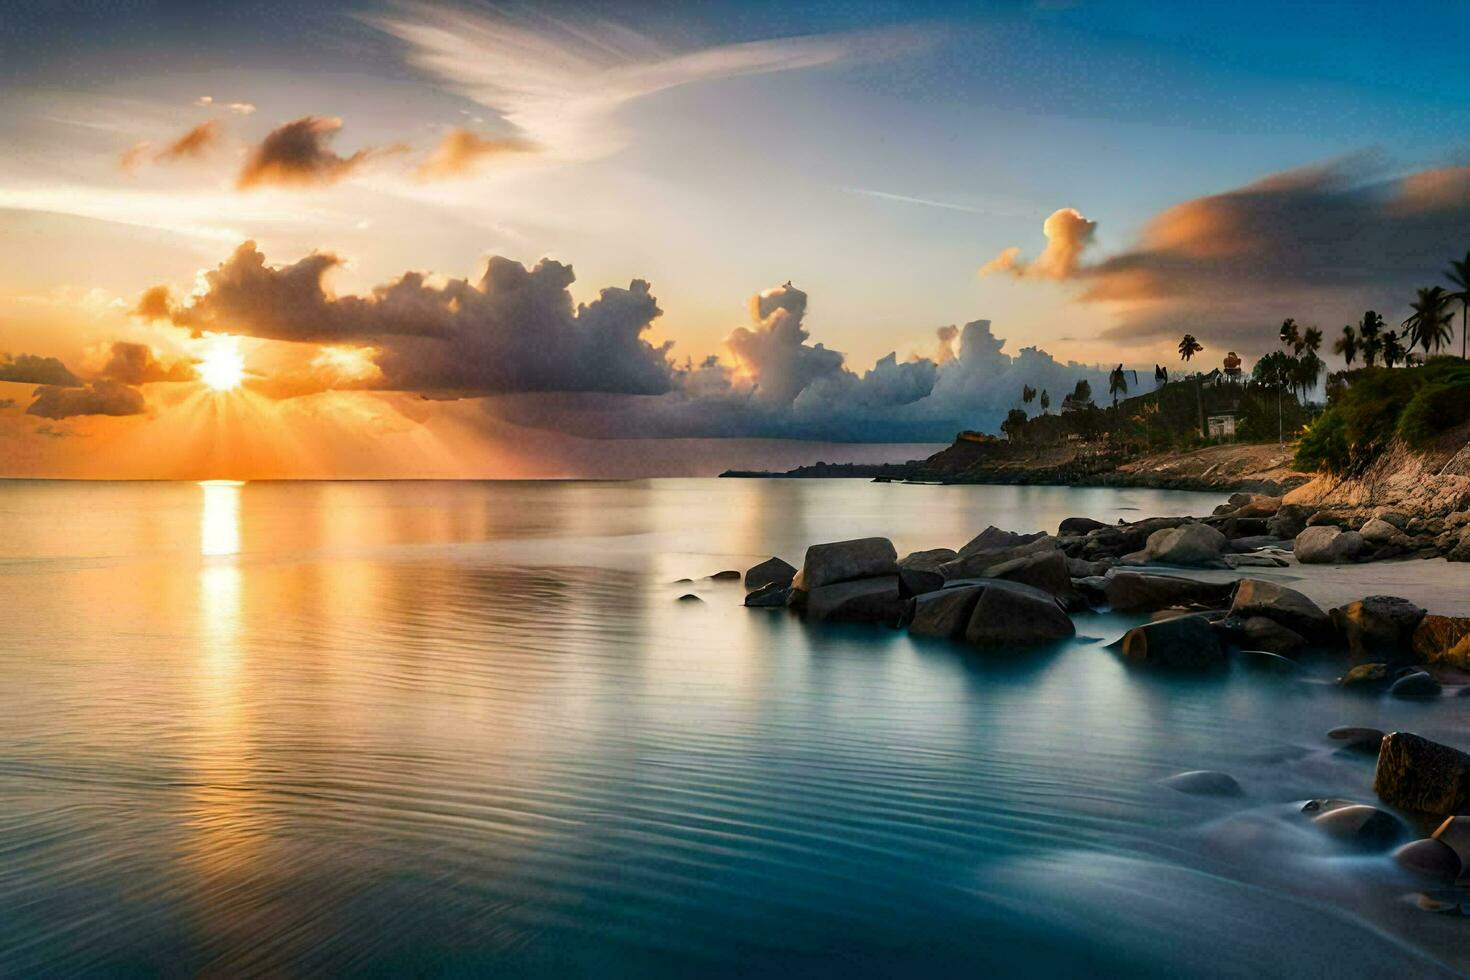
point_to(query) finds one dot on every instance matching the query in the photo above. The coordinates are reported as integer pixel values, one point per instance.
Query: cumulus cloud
(461, 151)
(136, 364)
(516, 329)
(31, 369)
(104, 397)
(193, 144)
(298, 154)
(1067, 233)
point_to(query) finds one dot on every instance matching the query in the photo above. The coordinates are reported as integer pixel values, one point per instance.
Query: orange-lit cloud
(104, 397)
(193, 144)
(31, 369)
(136, 364)
(297, 154)
(462, 151)
(239, 108)
(1067, 233)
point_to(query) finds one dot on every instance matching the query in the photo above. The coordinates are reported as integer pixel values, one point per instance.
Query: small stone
(1429, 857)
(1417, 684)
(770, 595)
(728, 575)
(1365, 676)
(1360, 824)
(1365, 740)
(772, 571)
(689, 597)
(1205, 782)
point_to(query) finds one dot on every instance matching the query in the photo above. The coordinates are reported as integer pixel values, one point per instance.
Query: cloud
(102, 397)
(558, 84)
(129, 159)
(193, 144)
(136, 364)
(239, 108)
(31, 369)
(297, 155)
(7, 403)
(461, 152)
(1067, 233)
(516, 329)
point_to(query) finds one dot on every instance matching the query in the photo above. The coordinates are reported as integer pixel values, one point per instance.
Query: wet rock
(768, 596)
(1357, 739)
(728, 575)
(1196, 545)
(1253, 561)
(1258, 541)
(1078, 525)
(1430, 858)
(928, 560)
(845, 561)
(1363, 826)
(1415, 773)
(1365, 676)
(1092, 588)
(1327, 545)
(689, 597)
(1442, 640)
(1378, 625)
(1455, 832)
(1046, 571)
(946, 613)
(869, 600)
(772, 571)
(994, 538)
(1141, 592)
(1012, 614)
(1185, 643)
(1257, 597)
(1078, 568)
(1204, 782)
(918, 581)
(1260, 633)
(1379, 532)
(1288, 521)
(977, 564)
(1415, 684)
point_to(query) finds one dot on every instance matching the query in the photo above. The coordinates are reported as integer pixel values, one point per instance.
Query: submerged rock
(1260, 633)
(845, 561)
(1430, 858)
(1078, 525)
(1415, 684)
(772, 571)
(689, 597)
(1415, 773)
(869, 600)
(1257, 597)
(1184, 643)
(1327, 545)
(770, 595)
(1455, 832)
(1141, 592)
(1378, 625)
(728, 575)
(1204, 782)
(945, 613)
(1362, 825)
(1013, 614)
(1357, 739)
(918, 581)
(1365, 676)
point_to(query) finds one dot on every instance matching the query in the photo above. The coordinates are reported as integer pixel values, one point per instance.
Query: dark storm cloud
(103, 397)
(297, 154)
(136, 364)
(31, 369)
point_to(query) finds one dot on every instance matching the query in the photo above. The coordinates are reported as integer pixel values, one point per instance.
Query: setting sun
(222, 369)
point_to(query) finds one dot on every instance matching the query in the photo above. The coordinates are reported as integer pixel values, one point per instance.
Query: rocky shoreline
(1004, 591)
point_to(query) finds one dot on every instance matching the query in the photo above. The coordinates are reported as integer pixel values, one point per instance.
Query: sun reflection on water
(219, 520)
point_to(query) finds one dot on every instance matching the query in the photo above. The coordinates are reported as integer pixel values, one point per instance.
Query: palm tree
(1393, 350)
(1188, 347)
(1028, 394)
(1347, 345)
(1429, 324)
(1276, 370)
(1459, 274)
(1370, 336)
(1117, 383)
(1045, 401)
(1161, 375)
(1290, 335)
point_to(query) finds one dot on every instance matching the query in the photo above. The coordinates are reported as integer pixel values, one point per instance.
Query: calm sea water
(455, 728)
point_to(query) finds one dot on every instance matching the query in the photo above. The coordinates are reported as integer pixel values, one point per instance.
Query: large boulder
(1046, 571)
(977, 564)
(1197, 545)
(772, 570)
(1442, 640)
(1378, 627)
(1078, 525)
(769, 596)
(1257, 597)
(945, 613)
(1140, 592)
(1259, 505)
(993, 538)
(1288, 521)
(1415, 773)
(868, 600)
(844, 561)
(1257, 541)
(928, 560)
(1327, 545)
(1379, 532)
(1011, 614)
(1183, 643)
(1115, 541)
(1260, 633)
(918, 581)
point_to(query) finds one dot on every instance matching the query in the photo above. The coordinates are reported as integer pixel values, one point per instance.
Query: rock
(1357, 739)
(1378, 625)
(977, 563)
(1455, 832)
(1078, 525)
(1197, 545)
(1257, 597)
(770, 595)
(1442, 640)
(1324, 805)
(1415, 773)
(868, 600)
(1140, 592)
(1260, 505)
(1184, 643)
(1430, 858)
(945, 613)
(917, 581)
(1114, 541)
(1260, 633)
(1379, 532)
(728, 575)
(1396, 518)
(1361, 825)
(844, 561)
(1204, 782)
(1011, 614)
(1078, 568)
(1416, 684)
(1092, 588)
(1288, 521)
(1327, 545)
(689, 597)
(1365, 676)
(772, 571)
(1258, 541)
(993, 538)
(928, 560)
(1253, 561)
(1046, 571)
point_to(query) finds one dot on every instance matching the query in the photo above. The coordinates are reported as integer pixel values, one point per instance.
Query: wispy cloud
(994, 209)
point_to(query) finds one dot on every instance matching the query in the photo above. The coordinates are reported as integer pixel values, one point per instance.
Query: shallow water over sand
(453, 728)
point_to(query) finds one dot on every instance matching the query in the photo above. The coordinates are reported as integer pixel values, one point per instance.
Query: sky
(379, 239)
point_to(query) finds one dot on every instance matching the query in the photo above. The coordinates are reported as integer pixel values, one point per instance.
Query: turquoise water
(454, 728)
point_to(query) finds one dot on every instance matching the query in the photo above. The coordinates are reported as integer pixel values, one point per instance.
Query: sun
(222, 367)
